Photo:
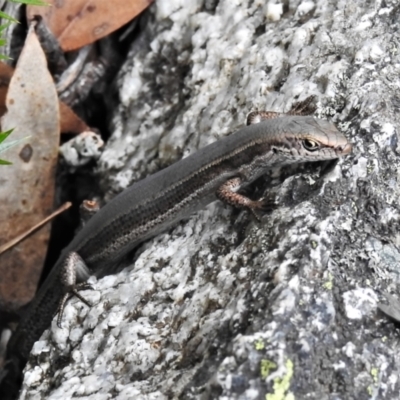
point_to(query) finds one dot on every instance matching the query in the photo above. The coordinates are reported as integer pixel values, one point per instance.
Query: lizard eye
(310, 145)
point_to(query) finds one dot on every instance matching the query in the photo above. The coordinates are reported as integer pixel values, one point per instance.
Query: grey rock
(224, 307)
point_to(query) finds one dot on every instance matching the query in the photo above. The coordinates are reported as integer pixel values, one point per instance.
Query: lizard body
(159, 201)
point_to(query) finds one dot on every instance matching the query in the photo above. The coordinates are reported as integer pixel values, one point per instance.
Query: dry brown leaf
(6, 73)
(69, 121)
(80, 22)
(27, 186)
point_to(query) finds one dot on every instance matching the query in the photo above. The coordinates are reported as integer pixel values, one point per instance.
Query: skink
(158, 202)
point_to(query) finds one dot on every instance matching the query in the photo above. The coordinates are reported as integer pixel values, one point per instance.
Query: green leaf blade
(8, 17)
(4, 135)
(3, 27)
(31, 2)
(6, 146)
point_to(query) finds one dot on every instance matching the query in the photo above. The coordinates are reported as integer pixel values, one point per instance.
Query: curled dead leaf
(81, 22)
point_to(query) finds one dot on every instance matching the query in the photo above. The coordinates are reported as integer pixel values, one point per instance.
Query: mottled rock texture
(225, 307)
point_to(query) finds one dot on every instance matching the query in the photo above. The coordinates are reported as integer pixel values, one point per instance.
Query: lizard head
(310, 139)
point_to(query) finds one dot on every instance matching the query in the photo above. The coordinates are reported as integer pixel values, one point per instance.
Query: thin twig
(24, 235)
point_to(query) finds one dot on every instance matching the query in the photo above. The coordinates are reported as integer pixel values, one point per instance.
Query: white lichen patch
(360, 303)
(82, 149)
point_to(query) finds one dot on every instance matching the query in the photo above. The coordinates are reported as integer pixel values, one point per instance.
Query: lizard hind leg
(256, 117)
(304, 107)
(72, 266)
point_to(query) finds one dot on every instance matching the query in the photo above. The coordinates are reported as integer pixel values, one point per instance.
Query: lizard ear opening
(310, 145)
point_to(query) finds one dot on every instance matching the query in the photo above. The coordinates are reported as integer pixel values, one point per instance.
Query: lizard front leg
(228, 194)
(72, 264)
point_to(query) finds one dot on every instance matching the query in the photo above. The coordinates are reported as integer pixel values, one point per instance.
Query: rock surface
(223, 306)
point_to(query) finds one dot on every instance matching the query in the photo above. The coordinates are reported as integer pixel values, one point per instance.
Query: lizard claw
(263, 204)
(305, 107)
(72, 291)
(255, 214)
